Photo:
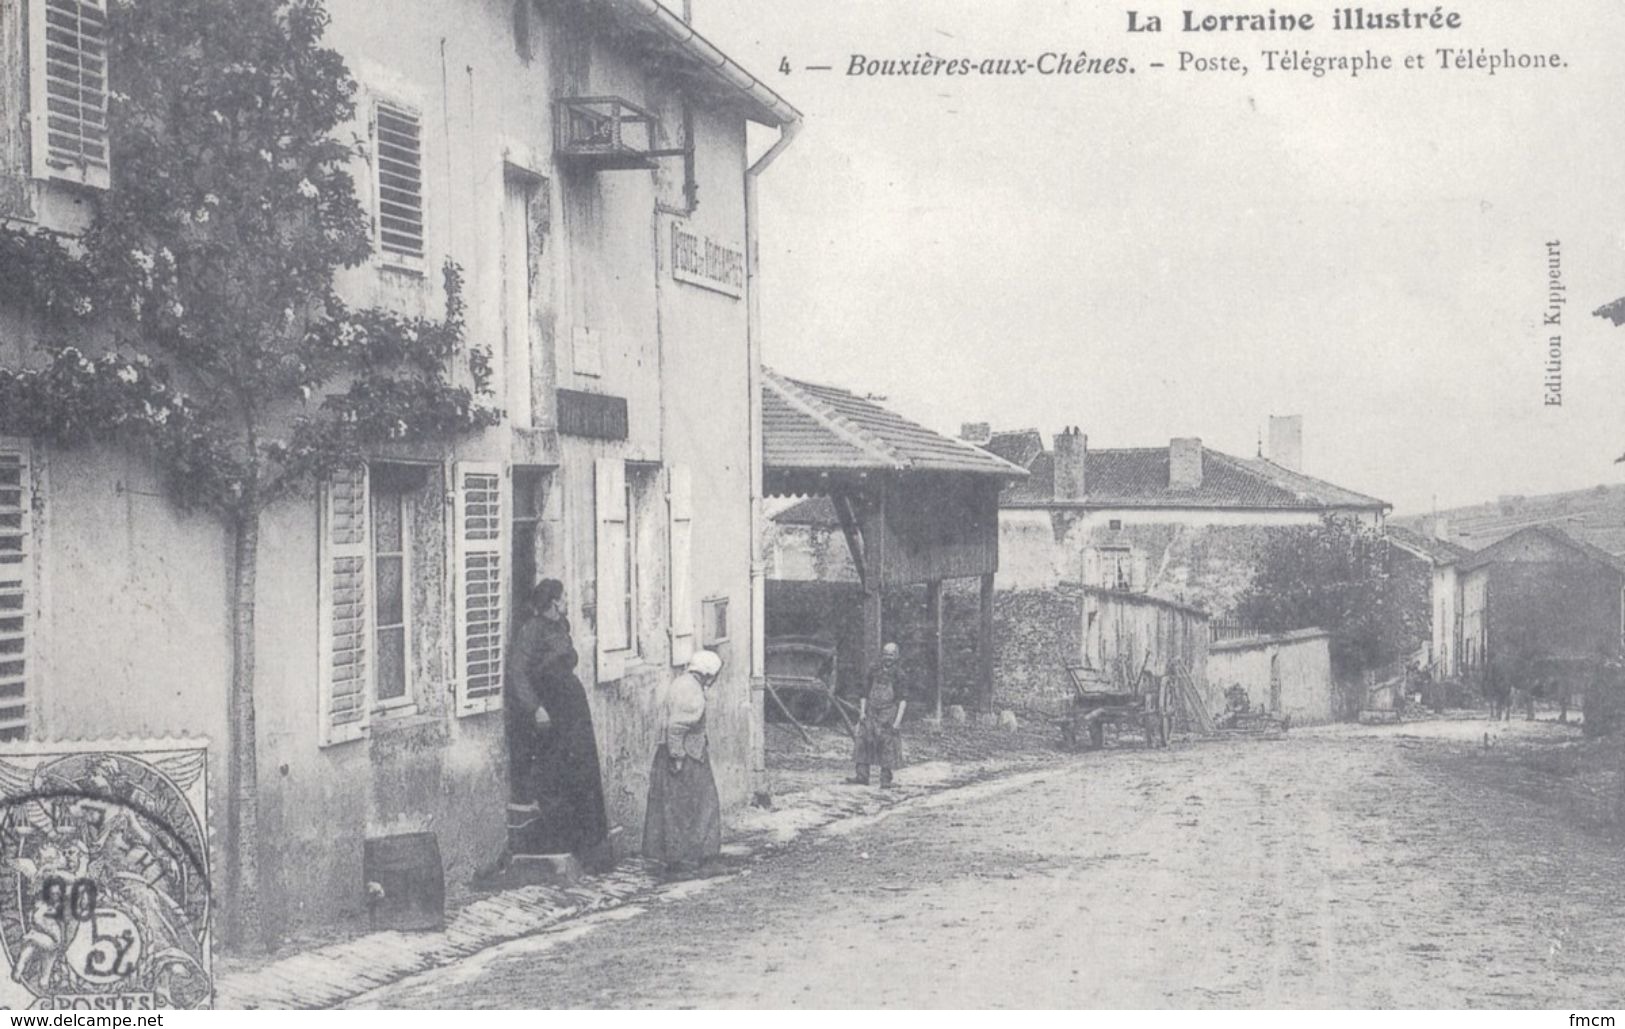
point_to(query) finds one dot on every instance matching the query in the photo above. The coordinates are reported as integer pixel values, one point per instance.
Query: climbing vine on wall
(196, 316)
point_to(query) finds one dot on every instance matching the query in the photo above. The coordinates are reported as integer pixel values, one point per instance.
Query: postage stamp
(104, 876)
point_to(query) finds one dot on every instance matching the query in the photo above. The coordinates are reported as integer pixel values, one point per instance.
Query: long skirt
(878, 744)
(557, 770)
(683, 822)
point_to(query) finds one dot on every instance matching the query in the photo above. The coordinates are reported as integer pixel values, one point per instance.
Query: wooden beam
(984, 644)
(933, 605)
(854, 534)
(872, 631)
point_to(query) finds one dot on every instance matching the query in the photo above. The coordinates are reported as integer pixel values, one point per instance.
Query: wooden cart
(801, 677)
(1098, 700)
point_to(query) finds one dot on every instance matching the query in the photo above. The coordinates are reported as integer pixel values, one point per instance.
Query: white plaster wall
(133, 609)
(1304, 667)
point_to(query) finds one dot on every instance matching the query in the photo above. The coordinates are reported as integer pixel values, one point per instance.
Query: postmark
(104, 876)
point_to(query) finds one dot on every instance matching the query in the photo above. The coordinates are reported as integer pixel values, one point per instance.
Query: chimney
(1071, 458)
(1286, 441)
(979, 433)
(1441, 528)
(1185, 463)
(688, 11)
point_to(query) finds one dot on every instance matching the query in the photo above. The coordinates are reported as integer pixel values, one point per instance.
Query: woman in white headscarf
(682, 826)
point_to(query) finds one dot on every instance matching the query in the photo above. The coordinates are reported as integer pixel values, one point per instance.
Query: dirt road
(1334, 869)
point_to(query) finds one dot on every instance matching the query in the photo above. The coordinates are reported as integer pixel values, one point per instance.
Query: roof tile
(807, 427)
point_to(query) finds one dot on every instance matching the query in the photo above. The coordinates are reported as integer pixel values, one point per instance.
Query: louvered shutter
(612, 552)
(398, 139)
(346, 672)
(680, 504)
(15, 574)
(480, 591)
(68, 90)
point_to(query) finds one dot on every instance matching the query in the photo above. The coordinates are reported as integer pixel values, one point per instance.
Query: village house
(585, 163)
(1182, 525)
(1437, 559)
(1105, 556)
(1541, 603)
(1184, 522)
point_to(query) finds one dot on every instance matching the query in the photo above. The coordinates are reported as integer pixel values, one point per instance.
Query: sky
(1169, 253)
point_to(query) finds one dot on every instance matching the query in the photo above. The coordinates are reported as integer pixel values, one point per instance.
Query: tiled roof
(1491, 553)
(1138, 477)
(808, 427)
(818, 511)
(1018, 447)
(1440, 552)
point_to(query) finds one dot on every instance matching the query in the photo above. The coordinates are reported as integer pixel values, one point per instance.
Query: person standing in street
(682, 826)
(879, 739)
(555, 770)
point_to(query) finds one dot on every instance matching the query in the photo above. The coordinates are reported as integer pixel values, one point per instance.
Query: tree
(206, 278)
(1337, 576)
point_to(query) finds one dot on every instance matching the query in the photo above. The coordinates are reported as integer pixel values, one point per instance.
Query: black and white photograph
(640, 505)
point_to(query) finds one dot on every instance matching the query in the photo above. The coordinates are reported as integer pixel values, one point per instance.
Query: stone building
(1184, 522)
(626, 464)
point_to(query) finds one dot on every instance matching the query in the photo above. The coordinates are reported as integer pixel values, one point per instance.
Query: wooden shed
(915, 507)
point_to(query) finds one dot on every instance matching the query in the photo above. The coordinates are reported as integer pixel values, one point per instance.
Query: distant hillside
(1596, 515)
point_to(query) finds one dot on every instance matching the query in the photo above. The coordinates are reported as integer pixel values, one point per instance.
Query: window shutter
(1140, 573)
(679, 498)
(345, 609)
(16, 508)
(398, 141)
(612, 544)
(480, 588)
(1091, 567)
(68, 90)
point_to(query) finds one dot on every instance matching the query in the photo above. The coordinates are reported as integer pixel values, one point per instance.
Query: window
(68, 90)
(391, 582)
(632, 552)
(522, 208)
(15, 508)
(1116, 524)
(383, 605)
(398, 165)
(1115, 568)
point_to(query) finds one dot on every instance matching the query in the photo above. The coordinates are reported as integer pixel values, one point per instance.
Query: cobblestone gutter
(329, 975)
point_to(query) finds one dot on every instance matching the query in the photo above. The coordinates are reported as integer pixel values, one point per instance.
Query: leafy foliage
(1340, 577)
(207, 273)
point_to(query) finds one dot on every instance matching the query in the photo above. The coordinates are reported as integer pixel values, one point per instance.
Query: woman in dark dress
(555, 757)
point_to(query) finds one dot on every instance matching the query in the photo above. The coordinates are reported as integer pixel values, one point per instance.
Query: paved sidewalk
(329, 975)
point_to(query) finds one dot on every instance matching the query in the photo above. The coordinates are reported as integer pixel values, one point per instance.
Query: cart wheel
(809, 707)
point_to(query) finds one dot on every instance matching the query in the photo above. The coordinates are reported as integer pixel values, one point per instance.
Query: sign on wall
(704, 261)
(592, 415)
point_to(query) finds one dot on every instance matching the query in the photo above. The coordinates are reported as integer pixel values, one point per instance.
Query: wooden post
(984, 644)
(933, 607)
(872, 631)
